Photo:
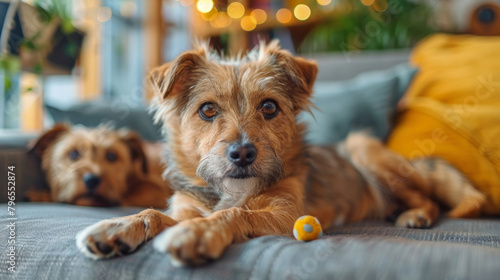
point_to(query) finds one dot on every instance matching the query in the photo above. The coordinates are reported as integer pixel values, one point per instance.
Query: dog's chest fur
(332, 182)
(236, 193)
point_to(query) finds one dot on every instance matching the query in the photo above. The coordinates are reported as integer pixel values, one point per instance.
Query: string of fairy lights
(249, 19)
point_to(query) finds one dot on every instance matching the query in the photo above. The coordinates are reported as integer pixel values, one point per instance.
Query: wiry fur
(204, 67)
(218, 202)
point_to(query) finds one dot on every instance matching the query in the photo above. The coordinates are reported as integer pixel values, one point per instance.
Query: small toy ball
(307, 228)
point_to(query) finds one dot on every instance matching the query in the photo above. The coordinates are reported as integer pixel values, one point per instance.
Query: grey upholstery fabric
(454, 249)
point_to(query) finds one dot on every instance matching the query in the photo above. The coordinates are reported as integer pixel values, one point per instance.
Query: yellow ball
(307, 228)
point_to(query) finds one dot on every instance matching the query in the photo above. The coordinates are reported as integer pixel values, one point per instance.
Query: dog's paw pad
(123, 247)
(111, 238)
(414, 219)
(103, 248)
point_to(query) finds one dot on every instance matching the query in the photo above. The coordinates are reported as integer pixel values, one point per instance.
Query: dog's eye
(208, 111)
(111, 156)
(269, 108)
(74, 155)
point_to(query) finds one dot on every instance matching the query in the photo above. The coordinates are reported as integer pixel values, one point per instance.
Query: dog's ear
(174, 77)
(134, 143)
(306, 71)
(300, 72)
(41, 144)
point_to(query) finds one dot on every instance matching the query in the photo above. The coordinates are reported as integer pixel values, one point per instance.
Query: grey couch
(453, 249)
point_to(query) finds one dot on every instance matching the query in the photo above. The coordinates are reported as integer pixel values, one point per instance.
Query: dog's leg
(470, 206)
(409, 188)
(399, 177)
(451, 187)
(120, 236)
(422, 213)
(198, 240)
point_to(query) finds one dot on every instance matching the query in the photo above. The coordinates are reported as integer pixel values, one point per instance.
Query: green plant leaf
(363, 28)
(67, 27)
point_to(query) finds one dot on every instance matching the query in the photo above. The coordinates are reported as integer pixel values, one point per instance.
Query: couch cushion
(454, 249)
(365, 102)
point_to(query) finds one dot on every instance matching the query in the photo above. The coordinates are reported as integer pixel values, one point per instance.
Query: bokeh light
(186, 3)
(248, 23)
(104, 14)
(302, 12)
(345, 7)
(283, 15)
(380, 5)
(128, 9)
(221, 20)
(210, 15)
(259, 15)
(235, 10)
(204, 6)
(324, 2)
(367, 2)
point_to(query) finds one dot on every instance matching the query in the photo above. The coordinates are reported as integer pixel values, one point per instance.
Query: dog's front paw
(113, 237)
(414, 218)
(194, 241)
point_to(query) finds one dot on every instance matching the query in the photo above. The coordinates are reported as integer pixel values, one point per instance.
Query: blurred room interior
(59, 53)
(422, 75)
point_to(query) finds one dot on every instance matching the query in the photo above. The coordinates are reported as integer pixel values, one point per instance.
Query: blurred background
(58, 54)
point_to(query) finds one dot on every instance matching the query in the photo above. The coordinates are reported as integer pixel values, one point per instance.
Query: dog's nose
(91, 181)
(241, 155)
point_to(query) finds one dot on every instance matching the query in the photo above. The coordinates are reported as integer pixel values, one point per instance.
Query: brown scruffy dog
(99, 167)
(240, 167)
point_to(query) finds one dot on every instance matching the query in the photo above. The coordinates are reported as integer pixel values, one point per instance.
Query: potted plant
(42, 36)
(39, 38)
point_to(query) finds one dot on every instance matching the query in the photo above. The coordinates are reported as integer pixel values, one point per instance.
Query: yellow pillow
(452, 109)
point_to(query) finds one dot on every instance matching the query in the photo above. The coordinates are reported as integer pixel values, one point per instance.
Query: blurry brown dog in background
(100, 167)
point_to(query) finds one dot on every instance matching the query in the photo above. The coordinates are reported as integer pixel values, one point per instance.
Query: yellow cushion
(452, 109)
